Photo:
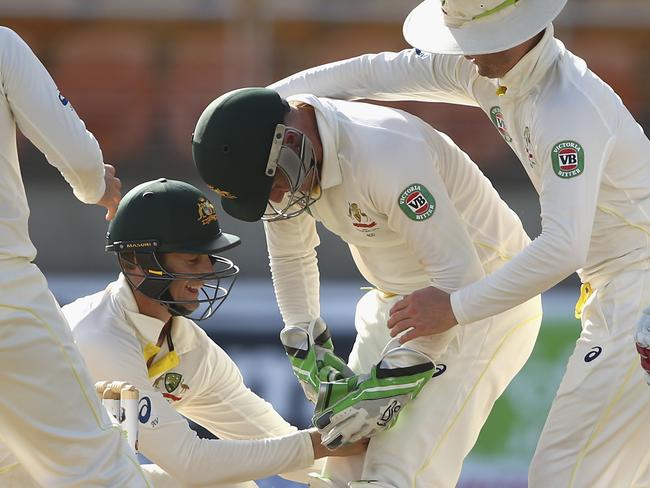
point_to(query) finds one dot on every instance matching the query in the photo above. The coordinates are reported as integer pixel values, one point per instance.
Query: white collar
(329, 137)
(530, 69)
(148, 328)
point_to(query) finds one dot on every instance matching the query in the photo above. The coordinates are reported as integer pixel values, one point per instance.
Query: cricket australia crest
(206, 211)
(172, 380)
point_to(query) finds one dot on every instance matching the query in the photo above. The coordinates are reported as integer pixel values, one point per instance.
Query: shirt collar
(530, 69)
(328, 131)
(148, 328)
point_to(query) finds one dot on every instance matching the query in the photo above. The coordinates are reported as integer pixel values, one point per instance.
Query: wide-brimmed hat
(477, 26)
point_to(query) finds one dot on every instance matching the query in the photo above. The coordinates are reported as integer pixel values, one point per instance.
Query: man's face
(281, 184)
(494, 65)
(497, 65)
(181, 263)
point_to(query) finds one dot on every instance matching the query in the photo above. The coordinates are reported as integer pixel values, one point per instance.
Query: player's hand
(643, 341)
(426, 312)
(320, 451)
(361, 406)
(311, 353)
(113, 192)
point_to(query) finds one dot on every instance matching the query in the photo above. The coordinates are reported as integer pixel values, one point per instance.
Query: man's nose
(276, 195)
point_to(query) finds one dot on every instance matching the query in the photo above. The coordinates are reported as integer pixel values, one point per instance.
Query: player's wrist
(319, 450)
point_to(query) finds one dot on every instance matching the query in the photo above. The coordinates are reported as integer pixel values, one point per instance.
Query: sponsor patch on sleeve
(568, 159)
(417, 202)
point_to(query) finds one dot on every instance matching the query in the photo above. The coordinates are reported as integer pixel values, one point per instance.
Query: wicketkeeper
(415, 211)
(141, 328)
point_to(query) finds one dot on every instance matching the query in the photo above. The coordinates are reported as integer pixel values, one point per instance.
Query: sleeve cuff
(457, 308)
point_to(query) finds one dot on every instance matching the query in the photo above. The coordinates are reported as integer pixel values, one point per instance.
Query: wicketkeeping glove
(643, 342)
(363, 405)
(311, 353)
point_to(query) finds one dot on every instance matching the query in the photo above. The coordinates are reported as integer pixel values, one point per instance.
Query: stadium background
(140, 72)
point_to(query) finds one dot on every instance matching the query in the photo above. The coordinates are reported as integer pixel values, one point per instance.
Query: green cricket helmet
(239, 144)
(168, 216)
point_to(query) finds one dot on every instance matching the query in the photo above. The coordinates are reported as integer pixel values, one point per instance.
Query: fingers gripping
(642, 338)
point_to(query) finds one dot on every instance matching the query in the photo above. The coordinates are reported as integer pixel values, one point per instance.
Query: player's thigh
(50, 416)
(597, 429)
(16, 476)
(371, 317)
(435, 432)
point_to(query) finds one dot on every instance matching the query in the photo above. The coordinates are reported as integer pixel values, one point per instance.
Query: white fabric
(597, 430)
(16, 476)
(436, 431)
(370, 155)
(551, 92)
(455, 28)
(50, 417)
(161, 479)
(30, 100)
(598, 221)
(51, 421)
(111, 335)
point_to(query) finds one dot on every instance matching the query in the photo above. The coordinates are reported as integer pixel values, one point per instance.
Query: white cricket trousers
(598, 429)
(435, 432)
(51, 420)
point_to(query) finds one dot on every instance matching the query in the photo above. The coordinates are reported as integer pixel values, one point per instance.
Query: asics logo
(440, 368)
(593, 354)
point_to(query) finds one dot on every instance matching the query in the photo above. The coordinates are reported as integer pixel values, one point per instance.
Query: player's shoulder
(576, 98)
(96, 310)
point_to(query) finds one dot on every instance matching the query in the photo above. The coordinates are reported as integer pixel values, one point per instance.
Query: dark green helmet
(168, 216)
(231, 146)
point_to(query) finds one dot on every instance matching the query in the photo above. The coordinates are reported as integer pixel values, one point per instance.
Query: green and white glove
(311, 353)
(360, 406)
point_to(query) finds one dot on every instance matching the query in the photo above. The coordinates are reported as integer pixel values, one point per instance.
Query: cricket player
(140, 329)
(52, 425)
(590, 163)
(415, 211)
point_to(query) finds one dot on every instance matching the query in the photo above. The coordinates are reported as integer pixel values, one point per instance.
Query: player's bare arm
(426, 311)
(321, 451)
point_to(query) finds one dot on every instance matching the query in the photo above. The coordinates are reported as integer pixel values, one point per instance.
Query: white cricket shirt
(205, 387)
(413, 208)
(30, 100)
(584, 153)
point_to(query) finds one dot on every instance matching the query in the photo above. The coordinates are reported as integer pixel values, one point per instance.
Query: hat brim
(425, 28)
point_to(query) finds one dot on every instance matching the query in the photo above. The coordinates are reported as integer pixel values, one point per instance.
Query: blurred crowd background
(140, 72)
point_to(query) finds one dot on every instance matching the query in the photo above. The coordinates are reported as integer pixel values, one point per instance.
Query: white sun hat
(477, 26)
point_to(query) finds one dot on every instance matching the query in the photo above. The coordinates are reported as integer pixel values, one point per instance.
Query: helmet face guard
(164, 217)
(292, 153)
(148, 276)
